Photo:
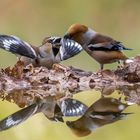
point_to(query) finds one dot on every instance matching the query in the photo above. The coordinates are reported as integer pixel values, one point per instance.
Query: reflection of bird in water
(102, 112)
(49, 107)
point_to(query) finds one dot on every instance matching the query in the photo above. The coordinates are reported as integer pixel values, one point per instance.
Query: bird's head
(78, 130)
(76, 29)
(80, 33)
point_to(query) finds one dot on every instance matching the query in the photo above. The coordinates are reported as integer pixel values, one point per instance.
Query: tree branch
(24, 85)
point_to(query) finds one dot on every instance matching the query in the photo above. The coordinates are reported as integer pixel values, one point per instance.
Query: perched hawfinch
(102, 112)
(49, 107)
(53, 50)
(102, 48)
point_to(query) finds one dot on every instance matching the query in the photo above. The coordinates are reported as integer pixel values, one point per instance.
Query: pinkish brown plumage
(102, 48)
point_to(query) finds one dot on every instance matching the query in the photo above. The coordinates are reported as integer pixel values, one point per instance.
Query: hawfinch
(102, 48)
(49, 107)
(53, 50)
(102, 112)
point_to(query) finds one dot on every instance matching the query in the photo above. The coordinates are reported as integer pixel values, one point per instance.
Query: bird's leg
(101, 67)
(102, 96)
(101, 70)
(120, 98)
(121, 95)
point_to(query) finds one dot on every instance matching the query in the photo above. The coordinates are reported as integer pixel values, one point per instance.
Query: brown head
(79, 33)
(46, 40)
(77, 28)
(78, 128)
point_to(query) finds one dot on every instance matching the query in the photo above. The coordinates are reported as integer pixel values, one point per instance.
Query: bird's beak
(57, 119)
(67, 36)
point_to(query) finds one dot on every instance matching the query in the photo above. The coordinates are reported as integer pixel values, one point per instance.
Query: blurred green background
(32, 20)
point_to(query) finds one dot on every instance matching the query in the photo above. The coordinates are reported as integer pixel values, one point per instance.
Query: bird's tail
(122, 47)
(127, 48)
(124, 115)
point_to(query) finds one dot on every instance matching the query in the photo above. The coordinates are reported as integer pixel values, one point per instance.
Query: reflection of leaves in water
(132, 93)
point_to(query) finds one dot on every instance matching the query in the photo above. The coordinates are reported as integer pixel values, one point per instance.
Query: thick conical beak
(67, 36)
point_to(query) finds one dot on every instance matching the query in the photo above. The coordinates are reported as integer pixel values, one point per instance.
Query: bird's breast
(104, 57)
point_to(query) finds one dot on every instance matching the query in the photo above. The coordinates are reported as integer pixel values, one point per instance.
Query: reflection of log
(24, 85)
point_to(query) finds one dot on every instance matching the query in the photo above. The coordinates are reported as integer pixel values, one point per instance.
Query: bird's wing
(69, 48)
(107, 46)
(104, 115)
(15, 45)
(108, 104)
(108, 116)
(18, 117)
(71, 107)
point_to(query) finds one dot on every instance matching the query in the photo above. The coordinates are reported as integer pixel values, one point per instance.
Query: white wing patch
(7, 43)
(72, 43)
(78, 46)
(61, 53)
(81, 107)
(72, 107)
(11, 122)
